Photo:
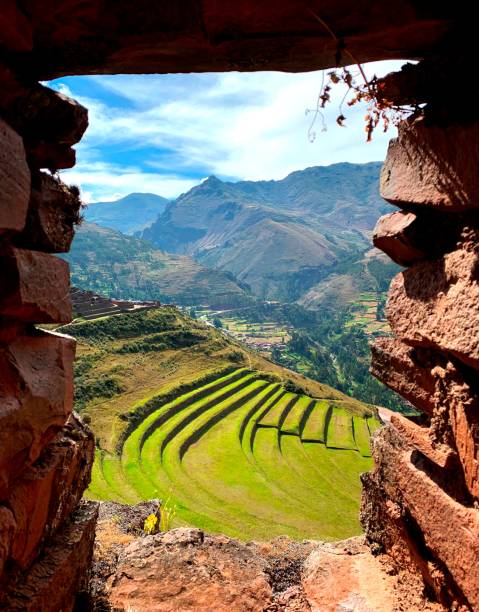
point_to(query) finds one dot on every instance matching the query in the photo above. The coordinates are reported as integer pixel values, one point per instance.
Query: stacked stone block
(46, 453)
(420, 505)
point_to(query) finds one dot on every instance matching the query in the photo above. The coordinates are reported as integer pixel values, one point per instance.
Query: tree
(217, 323)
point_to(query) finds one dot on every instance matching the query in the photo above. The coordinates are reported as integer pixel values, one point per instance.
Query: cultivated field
(240, 454)
(364, 314)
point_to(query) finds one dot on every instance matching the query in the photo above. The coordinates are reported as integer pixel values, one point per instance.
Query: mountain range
(130, 214)
(283, 240)
(278, 237)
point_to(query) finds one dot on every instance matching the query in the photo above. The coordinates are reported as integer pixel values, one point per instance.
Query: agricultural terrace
(236, 443)
(367, 312)
(241, 455)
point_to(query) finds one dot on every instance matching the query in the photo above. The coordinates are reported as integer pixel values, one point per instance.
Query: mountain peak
(212, 180)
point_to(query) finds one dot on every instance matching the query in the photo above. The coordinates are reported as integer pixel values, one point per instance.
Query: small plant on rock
(161, 521)
(167, 514)
(151, 524)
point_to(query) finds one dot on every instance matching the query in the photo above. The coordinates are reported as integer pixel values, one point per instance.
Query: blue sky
(166, 133)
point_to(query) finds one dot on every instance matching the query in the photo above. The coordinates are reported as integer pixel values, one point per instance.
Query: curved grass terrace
(242, 456)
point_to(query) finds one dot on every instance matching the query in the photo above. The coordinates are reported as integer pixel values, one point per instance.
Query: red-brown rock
(14, 180)
(35, 287)
(420, 438)
(36, 398)
(433, 166)
(51, 156)
(42, 499)
(56, 578)
(436, 304)
(395, 235)
(450, 529)
(405, 370)
(15, 29)
(53, 210)
(7, 529)
(461, 401)
(198, 572)
(45, 115)
(345, 576)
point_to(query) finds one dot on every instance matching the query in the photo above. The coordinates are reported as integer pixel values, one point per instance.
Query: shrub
(236, 356)
(293, 387)
(104, 387)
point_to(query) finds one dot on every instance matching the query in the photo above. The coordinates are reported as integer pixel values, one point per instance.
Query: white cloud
(105, 182)
(238, 125)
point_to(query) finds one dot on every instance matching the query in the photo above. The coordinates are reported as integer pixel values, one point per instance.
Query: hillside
(278, 237)
(237, 444)
(125, 267)
(371, 273)
(130, 214)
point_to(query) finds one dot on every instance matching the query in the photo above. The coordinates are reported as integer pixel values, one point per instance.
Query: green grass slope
(237, 444)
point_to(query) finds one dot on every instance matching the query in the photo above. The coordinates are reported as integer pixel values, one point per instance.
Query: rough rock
(345, 576)
(445, 391)
(449, 530)
(36, 398)
(427, 233)
(280, 559)
(56, 578)
(432, 166)
(45, 495)
(195, 36)
(406, 370)
(53, 157)
(435, 304)
(420, 438)
(53, 210)
(457, 395)
(35, 287)
(15, 29)
(7, 529)
(43, 115)
(395, 235)
(14, 178)
(198, 572)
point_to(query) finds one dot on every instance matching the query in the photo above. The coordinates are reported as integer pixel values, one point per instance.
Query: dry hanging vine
(380, 109)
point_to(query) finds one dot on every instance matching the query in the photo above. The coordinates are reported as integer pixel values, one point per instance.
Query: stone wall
(46, 453)
(420, 504)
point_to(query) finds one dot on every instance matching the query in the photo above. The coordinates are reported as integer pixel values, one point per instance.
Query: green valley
(236, 443)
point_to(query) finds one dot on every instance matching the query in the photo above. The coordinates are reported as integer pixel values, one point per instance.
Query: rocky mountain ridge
(129, 214)
(278, 237)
